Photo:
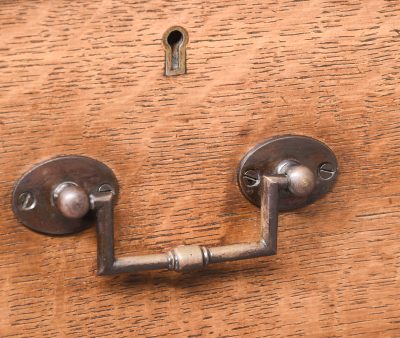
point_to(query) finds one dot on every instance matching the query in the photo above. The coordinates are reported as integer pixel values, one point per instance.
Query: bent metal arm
(187, 257)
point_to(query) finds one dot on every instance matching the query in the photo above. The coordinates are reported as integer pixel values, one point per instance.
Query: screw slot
(326, 171)
(251, 178)
(26, 201)
(106, 188)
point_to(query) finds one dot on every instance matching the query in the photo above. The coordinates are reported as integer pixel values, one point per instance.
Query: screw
(26, 201)
(106, 188)
(251, 178)
(326, 171)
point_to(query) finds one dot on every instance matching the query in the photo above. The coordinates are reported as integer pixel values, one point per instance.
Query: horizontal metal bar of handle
(187, 257)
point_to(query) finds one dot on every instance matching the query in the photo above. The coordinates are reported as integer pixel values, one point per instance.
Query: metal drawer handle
(63, 195)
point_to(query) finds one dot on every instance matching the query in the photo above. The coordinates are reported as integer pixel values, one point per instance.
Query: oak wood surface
(86, 77)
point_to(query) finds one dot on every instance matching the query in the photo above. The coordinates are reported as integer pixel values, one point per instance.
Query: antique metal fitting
(64, 195)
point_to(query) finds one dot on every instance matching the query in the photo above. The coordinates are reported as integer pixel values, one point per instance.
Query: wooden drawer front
(87, 78)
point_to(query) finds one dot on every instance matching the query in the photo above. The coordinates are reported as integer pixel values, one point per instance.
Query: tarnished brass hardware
(71, 200)
(281, 173)
(175, 40)
(44, 199)
(282, 155)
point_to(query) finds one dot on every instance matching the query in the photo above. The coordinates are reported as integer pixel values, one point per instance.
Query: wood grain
(86, 77)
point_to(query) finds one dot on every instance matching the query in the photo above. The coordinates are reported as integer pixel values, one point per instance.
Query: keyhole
(175, 40)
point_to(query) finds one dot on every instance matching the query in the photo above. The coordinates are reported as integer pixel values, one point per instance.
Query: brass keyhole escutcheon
(175, 40)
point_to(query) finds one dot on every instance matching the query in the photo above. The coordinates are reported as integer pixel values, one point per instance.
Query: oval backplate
(32, 199)
(264, 159)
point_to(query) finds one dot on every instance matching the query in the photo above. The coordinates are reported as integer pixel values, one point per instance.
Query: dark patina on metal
(267, 157)
(34, 197)
(282, 173)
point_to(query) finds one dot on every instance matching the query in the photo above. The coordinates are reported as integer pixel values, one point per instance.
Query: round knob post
(301, 179)
(71, 200)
